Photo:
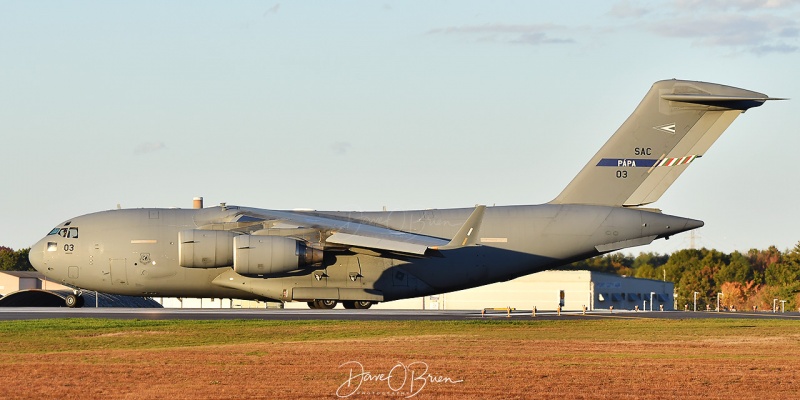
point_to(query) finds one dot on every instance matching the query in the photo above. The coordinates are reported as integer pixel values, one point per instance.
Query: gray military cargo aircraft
(362, 258)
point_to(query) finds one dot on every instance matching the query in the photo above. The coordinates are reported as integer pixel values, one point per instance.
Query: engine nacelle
(268, 255)
(205, 249)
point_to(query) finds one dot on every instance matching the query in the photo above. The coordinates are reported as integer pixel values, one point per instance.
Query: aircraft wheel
(357, 305)
(74, 301)
(362, 305)
(325, 304)
(81, 301)
(312, 305)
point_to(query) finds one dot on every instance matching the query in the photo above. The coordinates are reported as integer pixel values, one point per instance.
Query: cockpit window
(71, 233)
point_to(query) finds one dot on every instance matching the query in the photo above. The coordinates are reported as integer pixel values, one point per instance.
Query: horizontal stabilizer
(729, 102)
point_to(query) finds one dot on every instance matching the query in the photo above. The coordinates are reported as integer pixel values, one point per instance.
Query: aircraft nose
(36, 255)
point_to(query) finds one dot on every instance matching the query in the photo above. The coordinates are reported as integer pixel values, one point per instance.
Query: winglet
(468, 232)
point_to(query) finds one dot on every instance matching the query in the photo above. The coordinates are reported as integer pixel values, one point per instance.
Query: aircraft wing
(347, 232)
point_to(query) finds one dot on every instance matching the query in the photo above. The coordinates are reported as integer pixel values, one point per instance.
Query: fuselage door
(119, 273)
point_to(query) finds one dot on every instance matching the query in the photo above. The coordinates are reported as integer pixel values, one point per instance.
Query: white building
(545, 291)
(12, 281)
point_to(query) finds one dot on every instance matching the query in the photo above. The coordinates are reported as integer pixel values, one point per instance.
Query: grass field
(608, 358)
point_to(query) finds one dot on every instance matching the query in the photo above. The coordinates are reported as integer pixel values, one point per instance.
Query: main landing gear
(329, 304)
(357, 305)
(322, 304)
(75, 300)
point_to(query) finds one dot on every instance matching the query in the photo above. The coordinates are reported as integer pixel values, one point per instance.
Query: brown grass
(510, 361)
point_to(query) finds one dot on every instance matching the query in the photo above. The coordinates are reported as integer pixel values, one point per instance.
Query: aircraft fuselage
(136, 252)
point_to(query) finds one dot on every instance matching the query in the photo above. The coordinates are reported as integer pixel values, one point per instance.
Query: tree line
(11, 260)
(758, 278)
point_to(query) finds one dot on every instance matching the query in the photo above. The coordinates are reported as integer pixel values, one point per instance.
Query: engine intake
(269, 255)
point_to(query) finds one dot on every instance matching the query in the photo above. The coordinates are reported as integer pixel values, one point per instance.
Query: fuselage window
(54, 231)
(63, 232)
(73, 233)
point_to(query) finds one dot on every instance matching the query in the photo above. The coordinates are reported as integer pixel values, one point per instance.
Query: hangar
(32, 289)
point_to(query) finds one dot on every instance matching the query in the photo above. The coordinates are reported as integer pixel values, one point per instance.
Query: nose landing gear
(75, 300)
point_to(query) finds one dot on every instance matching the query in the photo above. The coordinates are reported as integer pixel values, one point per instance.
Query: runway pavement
(27, 313)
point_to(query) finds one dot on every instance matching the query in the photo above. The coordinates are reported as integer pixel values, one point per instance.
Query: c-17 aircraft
(362, 258)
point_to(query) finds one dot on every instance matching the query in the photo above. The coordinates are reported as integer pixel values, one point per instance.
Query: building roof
(56, 298)
(25, 274)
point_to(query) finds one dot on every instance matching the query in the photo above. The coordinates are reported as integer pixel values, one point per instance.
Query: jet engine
(205, 249)
(268, 255)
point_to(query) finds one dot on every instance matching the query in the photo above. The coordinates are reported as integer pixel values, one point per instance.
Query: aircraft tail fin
(675, 124)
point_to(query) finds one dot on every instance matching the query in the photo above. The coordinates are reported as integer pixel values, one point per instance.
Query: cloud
(340, 148)
(148, 147)
(740, 5)
(537, 38)
(536, 34)
(273, 10)
(778, 48)
(759, 34)
(624, 9)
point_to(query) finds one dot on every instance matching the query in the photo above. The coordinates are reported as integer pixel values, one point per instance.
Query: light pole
(695, 301)
(718, 296)
(651, 300)
(783, 305)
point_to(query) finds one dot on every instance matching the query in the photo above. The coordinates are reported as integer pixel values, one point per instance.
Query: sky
(360, 105)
